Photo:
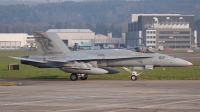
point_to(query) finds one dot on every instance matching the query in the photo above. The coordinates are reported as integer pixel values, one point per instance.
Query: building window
(66, 42)
(154, 41)
(30, 37)
(182, 37)
(154, 32)
(162, 37)
(154, 37)
(147, 41)
(174, 32)
(177, 42)
(185, 32)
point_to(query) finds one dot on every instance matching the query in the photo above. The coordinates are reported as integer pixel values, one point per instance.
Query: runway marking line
(151, 106)
(147, 91)
(127, 91)
(60, 99)
(143, 91)
(120, 110)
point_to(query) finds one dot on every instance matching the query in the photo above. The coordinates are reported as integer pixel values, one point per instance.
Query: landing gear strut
(83, 76)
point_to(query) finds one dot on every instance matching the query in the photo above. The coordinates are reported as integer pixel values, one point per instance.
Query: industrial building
(108, 42)
(173, 31)
(87, 39)
(16, 41)
(84, 37)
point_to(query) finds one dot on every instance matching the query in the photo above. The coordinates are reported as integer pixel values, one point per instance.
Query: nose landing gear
(134, 73)
(133, 77)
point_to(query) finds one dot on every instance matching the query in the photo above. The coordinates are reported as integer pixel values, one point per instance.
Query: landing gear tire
(133, 77)
(73, 77)
(83, 78)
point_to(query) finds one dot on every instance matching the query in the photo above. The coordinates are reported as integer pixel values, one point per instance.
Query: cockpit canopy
(142, 49)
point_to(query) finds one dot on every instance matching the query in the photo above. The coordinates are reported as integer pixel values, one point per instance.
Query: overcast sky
(43, 0)
(32, 2)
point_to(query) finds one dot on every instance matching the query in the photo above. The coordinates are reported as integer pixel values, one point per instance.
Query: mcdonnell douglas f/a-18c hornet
(53, 53)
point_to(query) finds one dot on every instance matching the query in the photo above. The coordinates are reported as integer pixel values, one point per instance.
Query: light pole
(99, 39)
(175, 43)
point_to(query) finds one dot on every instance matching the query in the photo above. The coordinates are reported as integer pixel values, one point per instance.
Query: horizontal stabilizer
(27, 59)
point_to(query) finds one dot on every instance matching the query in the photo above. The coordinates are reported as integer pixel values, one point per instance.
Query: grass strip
(26, 71)
(4, 83)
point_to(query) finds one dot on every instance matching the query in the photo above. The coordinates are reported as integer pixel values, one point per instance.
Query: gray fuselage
(120, 58)
(109, 58)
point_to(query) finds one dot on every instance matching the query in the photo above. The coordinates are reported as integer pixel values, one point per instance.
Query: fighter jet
(53, 53)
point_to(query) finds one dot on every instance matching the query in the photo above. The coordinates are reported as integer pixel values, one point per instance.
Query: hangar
(84, 37)
(16, 41)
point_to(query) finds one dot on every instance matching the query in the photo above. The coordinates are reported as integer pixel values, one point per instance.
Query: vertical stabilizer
(50, 44)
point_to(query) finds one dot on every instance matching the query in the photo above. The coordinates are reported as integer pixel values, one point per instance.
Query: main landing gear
(75, 76)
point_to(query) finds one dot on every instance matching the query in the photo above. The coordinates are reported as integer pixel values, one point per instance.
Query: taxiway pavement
(59, 95)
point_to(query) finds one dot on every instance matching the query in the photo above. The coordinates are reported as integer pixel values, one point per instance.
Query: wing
(88, 58)
(83, 58)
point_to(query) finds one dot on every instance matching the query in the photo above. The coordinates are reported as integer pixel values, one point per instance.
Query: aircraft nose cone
(181, 62)
(190, 64)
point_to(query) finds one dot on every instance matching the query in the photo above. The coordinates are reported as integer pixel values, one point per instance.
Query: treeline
(101, 17)
(93, 12)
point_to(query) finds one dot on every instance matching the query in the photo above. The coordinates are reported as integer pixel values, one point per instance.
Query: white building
(16, 41)
(84, 37)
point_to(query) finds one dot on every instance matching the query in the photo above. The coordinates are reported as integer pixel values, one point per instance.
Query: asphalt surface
(59, 95)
